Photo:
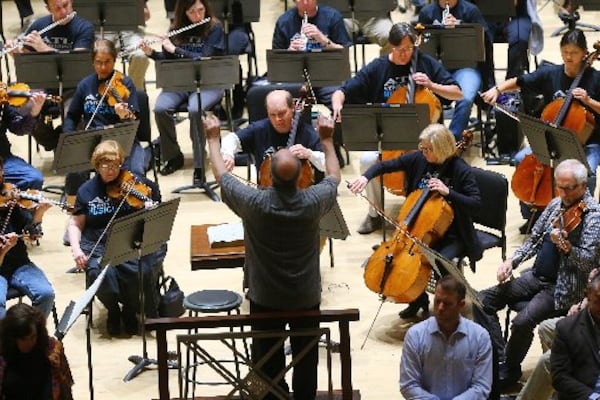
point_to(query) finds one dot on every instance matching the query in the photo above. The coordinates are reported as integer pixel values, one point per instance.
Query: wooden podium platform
(202, 256)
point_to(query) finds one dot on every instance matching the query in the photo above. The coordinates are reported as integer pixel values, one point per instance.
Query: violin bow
(108, 86)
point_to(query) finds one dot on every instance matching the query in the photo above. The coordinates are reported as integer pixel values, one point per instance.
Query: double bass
(397, 270)
(532, 181)
(409, 94)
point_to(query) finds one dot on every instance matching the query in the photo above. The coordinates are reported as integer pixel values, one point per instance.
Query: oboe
(127, 51)
(20, 41)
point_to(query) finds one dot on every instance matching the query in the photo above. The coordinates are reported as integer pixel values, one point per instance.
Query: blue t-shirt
(86, 99)
(379, 79)
(260, 136)
(464, 11)
(328, 20)
(77, 34)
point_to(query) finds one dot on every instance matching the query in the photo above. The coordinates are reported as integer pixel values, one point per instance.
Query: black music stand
(383, 127)
(571, 20)
(112, 15)
(324, 67)
(191, 75)
(333, 225)
(74, 149)
(52, 71)
(72, 313)
(551, 144)
(236, 12)
(132, 237)
(455, 46)
(497, 10)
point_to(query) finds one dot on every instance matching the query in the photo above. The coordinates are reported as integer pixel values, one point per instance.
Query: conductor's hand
(212, 127)
(504, 271)
(490, 96)
(358, 185)
(80, 258)
(229, 162)
(325, 127)
(300, 152)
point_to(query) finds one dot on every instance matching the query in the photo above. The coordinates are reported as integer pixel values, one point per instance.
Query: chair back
(494, 199)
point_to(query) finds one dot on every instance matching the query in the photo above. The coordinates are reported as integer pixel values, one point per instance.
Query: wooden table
(202, 256)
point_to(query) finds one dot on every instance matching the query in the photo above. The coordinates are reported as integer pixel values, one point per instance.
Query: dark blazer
(575, 361)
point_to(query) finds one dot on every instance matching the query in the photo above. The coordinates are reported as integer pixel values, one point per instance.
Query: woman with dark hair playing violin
(106, 97)
(437, 167)
(16, 269)
(207, 39)
(97, 201)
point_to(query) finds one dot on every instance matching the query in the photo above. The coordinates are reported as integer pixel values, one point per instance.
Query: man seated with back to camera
(282, 275)
(563, 260)
(469, 79)
(380, 80)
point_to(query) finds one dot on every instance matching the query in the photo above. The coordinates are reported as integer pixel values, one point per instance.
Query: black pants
(304, 378)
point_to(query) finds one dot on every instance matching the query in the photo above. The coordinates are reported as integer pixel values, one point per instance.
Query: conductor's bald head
(285, 168)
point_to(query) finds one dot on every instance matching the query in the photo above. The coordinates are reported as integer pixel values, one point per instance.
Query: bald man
(281, 236)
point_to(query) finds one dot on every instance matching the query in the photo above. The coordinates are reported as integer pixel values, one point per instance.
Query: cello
(409, 94)
(307, 176)
(532, 181)
(397, 270)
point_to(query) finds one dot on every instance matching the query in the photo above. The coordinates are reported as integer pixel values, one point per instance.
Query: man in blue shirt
(446, 356)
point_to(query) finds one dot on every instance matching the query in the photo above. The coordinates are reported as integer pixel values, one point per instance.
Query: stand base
(141, 364)
(207, 187)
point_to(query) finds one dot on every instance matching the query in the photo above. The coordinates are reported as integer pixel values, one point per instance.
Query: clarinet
(20, 41)
(127, 51)
(445, 13)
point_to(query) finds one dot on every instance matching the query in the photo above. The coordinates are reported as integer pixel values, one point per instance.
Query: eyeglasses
(403, 50)
(425, 149)
(569, 188)
(109, 167)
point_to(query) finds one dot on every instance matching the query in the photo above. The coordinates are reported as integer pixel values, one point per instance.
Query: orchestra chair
(490, 222)
(14, 293)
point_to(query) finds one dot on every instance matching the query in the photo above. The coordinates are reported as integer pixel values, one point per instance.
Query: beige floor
(375, 368)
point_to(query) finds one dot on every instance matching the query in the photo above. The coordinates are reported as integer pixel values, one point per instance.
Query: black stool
(212, 301)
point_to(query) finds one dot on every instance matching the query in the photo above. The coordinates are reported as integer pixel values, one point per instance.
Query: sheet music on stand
(458, 46)
(325, 67)
(74, 149)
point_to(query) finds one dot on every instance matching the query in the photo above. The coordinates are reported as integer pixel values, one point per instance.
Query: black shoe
(422, 302)
(113, 322)
(525, 229)
(509, 379)
(370, 224)
(130, 321)
(172, 165)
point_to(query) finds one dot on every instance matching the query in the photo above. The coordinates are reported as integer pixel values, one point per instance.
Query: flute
(20, 41)
(128, 50)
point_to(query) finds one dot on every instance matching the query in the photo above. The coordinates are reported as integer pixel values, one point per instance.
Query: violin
(18, 95)
(127, 187)
(28, 199)
(411, 94)
(570, 218)
(115, 91)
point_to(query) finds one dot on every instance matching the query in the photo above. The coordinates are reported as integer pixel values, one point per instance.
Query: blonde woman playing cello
(435, 166)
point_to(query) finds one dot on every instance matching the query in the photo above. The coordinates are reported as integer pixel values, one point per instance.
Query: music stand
(571, 19)
(324, 67)
(192, 75)
(458, 46)
(498, 10)
(74, 149)
(551, 144)
(72, 313)
(362, 9)
(383, 127)
(112, 15)
(333, 225)
(132, 237)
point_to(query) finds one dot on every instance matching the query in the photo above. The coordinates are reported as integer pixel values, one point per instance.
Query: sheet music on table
(226, 235)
